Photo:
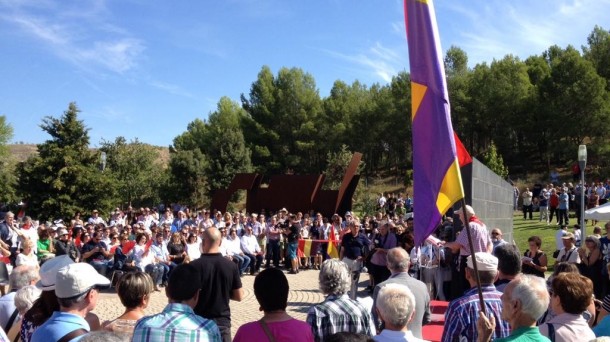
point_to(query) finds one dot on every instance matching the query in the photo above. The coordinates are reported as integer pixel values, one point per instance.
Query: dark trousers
(255, 262)
(562, 216)
(528, 209)
(273, 253)
(552, 211)
(225, 332)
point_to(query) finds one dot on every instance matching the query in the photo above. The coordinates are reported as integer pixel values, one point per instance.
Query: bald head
(211, 240)
(398, 260)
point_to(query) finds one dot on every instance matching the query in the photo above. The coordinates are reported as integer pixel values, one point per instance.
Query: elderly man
(20, 277)
(398, 264)
(496, 239)
(462, 314)
(569, 252)
(352, 253)
(77, 290)
(524, 301)
(480, 240)
(395, 306)
(338, 313)
(252, 250)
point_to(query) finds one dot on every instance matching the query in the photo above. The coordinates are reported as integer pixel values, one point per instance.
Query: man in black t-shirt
(352, 253)
(96, 253)
(292, 234)
(220, 282)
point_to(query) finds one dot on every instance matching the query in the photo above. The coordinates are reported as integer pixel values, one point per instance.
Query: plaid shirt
(339, 314)
(462, 315)
(177, 322)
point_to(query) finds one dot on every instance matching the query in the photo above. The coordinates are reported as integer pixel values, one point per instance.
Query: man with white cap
(462, 314)
(77, 290)
(569, 252)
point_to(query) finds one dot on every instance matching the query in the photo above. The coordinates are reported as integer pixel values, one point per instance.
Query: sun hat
(75, 279)
(49, 269)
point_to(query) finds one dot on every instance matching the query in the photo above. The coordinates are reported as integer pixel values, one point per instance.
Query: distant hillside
(21, 152)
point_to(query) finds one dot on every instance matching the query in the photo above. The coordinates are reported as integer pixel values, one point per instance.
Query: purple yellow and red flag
(437, 181)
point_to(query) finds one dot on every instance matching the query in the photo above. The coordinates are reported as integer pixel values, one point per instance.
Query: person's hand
(485, 327)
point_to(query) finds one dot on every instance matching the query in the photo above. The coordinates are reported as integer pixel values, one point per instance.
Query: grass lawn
(523, 229)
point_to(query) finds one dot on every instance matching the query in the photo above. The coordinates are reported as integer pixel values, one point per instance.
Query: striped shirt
(480, 238)
(177, 322)
(339, 314)
(462, 315)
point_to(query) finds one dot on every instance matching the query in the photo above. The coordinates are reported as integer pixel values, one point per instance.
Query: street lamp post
(103, 158)
(582, 164)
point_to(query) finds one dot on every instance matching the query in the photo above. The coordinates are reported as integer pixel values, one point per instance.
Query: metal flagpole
(472, 255)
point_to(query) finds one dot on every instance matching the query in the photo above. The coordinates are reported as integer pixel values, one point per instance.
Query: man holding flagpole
(481, 241)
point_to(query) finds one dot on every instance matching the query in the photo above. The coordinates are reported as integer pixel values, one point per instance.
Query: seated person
(271, 291)
(96, 253)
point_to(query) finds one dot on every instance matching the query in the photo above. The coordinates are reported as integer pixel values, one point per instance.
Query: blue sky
(145, 69)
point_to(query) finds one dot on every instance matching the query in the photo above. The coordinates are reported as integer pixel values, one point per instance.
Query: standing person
(462, 314)
(398, 264)
(178, 321)
(273, 233)
(568, 253)
(480, 240)
(352, 253)
(133, 289)
(292, 235)
(553, 204)
(220, 282)
(383, 242)
(77, 290)
(563, 207)
(338, 313)
(527, 197)
(534, 261)
(496, 239)
(271, 291)
(591, 263)
(516, 194)
(543, 204)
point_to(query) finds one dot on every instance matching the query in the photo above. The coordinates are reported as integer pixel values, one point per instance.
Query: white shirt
(234, 246)
(224, 247)
(193, 250)
(571, 254)
(527, 197)
(249, 244)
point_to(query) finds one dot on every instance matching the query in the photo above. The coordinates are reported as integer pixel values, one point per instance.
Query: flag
(437, 181)
(308, 248)
(463, 156)
(128, 246)
(332, 250)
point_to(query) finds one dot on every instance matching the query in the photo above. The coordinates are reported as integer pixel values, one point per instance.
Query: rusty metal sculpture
(294, 192)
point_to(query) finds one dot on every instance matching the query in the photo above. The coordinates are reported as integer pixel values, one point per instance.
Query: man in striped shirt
(177, 322)
(462, 314)
(338, 313)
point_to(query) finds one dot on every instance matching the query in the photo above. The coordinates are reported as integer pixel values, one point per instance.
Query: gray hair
(25, 297)
(469, 210)
(396, 304)
(104, 336)
(334, 277)
(533, 294)
(398, 260)
(21, 276)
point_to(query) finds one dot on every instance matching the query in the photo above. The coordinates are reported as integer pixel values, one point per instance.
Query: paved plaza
(303, 293)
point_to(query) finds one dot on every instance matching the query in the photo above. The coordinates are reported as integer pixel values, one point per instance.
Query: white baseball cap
(485, 262)
(49, 269)
(76, 279)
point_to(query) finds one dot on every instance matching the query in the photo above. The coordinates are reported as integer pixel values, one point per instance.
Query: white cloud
(493, 29)
(171, 88)
(67, 33)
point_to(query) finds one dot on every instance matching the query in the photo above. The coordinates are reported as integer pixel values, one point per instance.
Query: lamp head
(582, 153)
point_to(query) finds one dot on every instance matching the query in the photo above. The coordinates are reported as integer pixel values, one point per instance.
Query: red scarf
(475, 219)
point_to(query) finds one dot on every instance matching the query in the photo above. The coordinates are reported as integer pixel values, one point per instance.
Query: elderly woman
(24, 299)
(334, 279)
(534, 260)
(27, 256)
(134, 291)
(271, 291)
(591, 263)
(571, 294)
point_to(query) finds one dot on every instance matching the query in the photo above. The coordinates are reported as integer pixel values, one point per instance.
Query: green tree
(598, 52)
(8, 181)
(136, 168)
(336, 165)
(494, 161)
(187, 181)
(224, 145)
(65, 176)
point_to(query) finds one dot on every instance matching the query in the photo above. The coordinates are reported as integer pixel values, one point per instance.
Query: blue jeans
(156, 272)
(242, 262)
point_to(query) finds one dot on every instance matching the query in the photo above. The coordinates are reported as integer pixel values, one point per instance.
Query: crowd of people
(58, 268)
